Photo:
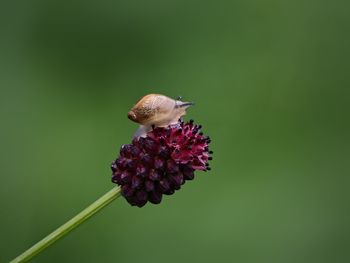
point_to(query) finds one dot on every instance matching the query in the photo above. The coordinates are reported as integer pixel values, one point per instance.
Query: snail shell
(158, 110)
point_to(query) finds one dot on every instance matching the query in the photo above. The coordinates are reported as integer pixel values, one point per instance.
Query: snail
(157, 110)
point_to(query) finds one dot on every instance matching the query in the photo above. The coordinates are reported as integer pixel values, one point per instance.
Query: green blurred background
(271, 84)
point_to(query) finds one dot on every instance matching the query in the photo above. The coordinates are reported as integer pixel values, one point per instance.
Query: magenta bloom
(161, 162)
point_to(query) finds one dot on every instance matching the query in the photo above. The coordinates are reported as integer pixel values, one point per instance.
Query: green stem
(69, 225)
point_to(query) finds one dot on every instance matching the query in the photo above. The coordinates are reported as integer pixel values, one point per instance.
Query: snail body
(157, 110)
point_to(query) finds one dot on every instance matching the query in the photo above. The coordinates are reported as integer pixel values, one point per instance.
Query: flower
(160, 162)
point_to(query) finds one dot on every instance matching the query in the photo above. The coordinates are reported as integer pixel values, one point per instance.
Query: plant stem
(69, 225)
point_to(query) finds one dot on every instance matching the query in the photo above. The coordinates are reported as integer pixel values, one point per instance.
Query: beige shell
(158, 110)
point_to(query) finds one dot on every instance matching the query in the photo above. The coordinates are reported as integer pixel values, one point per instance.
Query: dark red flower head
(160, 162)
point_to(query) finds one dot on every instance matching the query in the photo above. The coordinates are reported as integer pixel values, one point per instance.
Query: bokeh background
(271, 84)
